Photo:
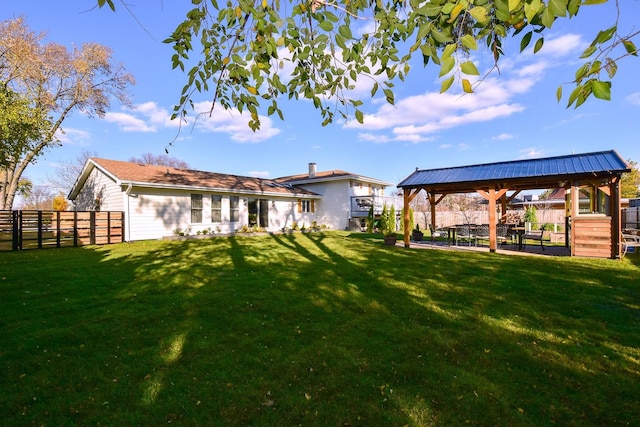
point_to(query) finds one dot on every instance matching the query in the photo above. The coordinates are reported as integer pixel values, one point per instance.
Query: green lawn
(326, 329)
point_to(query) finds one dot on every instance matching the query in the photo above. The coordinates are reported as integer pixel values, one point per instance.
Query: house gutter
(127, 192)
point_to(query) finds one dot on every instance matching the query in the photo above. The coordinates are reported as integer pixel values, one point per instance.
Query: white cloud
(563, 45)
(531, 153)
(417, 118)
(149, 117)
(156, 115)
(372, 137)
(234, 124)
(259, 174)
(633, 98)
(71, 136)
(503, 137)
(533, 70)
(128, 122)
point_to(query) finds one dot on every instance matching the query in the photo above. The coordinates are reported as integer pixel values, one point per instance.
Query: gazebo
(593, 220)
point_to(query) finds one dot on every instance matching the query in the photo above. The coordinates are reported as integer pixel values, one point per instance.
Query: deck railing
(360, 205)
(54, 229)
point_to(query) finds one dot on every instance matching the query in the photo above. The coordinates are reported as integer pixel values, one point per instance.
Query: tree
(20, 127)
(630, 182)
(49, 83)
(160, 160)
(68, 172)
(39, 198)
(246, 46)
(60, 203)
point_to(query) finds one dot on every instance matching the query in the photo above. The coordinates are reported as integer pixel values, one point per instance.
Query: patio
(505, 249)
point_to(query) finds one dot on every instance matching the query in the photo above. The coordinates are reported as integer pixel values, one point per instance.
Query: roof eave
(143, 184)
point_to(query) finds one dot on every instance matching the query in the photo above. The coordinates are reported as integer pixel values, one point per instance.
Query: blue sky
(513, 114)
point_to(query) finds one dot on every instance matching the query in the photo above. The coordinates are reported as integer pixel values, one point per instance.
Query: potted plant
(388, 224)
(416, 234)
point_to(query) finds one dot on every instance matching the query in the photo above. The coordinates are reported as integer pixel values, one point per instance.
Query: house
(160, 201)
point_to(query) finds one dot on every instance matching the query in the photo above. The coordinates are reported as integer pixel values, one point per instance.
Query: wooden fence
(53, 229)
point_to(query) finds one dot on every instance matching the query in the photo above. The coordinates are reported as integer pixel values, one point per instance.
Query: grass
(315, 329)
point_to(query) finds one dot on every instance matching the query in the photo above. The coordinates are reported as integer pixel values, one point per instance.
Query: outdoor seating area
(511, 237)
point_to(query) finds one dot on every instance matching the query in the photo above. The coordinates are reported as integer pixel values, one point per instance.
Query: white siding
(99, 185)
(334, 209)
(153, 214)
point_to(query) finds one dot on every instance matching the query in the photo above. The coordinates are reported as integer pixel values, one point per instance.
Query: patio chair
(437, 233)
(537, 235)
(464, 234)
(504, 234)
(630, 241)
(482, 232)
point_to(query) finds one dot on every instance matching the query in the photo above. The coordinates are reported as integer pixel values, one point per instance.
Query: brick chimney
(312, 170)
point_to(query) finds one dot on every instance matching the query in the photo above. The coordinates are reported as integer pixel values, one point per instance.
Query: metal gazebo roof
(519, 174)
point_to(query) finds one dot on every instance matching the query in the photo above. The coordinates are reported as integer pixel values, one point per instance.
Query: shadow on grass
(316, 329)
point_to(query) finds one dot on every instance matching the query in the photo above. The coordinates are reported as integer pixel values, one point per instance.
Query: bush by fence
(53, 229)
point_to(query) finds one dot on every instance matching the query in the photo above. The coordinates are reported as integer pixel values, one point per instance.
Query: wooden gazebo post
(492, 196)
(616, 213)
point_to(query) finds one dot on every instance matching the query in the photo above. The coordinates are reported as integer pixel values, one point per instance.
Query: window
(305, 206)
(216, 208)
(196, 208)
(234, 209)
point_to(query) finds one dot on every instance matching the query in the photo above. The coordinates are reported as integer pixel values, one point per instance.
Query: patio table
(520, 231)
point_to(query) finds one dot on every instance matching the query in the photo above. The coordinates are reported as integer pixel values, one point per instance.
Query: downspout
(128, 220)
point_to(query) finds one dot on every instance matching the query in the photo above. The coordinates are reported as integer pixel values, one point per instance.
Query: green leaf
(388, 93)
(429, 10)
(359, 116)
(469, 68)
(526, 39)
(604, 36)
(479, 13)
(547, 18)
(446, 84)
(326, 26)
(558, 7)
(578, 92)
(447, 65)
(331, 17)
(582, 71)
(448, 51)
(588, 51)
(441, 37)
(469, 42)
(532, 9)
(374, 89)
(559, 93)
(424, 30)
(538, 45)
(345, 31)
(630, 47)
(601, 90)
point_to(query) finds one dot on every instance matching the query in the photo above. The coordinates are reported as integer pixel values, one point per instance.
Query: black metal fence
(631, 217)
(54, 229)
